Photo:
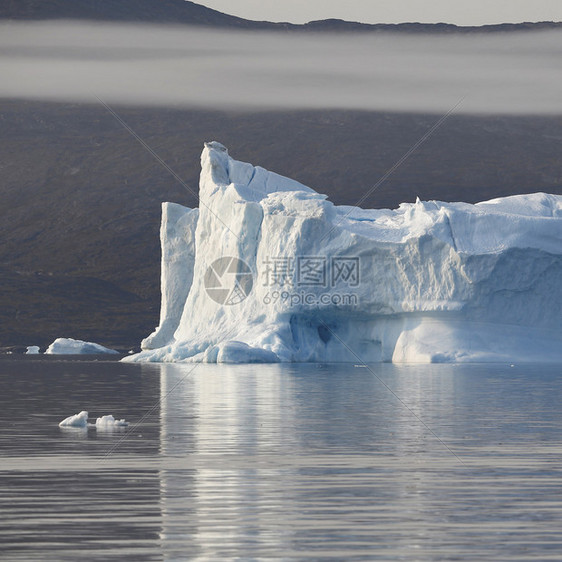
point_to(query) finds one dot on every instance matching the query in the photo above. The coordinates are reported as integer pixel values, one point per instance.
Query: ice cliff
(269, 270)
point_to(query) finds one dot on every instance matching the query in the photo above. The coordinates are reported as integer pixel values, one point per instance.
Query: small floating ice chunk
(32, 350)
(69, 346)
(109, 422)
(77, 420)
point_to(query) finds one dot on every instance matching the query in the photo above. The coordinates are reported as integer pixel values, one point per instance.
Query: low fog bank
(188, 67)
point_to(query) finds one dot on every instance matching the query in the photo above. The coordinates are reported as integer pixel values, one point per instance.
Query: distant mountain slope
(337, 25)
(80, 197)
(190, 13)
(149, 11)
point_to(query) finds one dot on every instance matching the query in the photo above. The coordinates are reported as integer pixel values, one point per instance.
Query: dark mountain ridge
(183, 12)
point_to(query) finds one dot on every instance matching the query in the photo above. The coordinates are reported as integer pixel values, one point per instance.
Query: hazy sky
(460, 12)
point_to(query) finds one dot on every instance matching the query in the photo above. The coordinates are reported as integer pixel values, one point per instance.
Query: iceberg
(269, 270)
(77, 420)
(68, 346)
(32, 350)
(109, 422)
(81, 421)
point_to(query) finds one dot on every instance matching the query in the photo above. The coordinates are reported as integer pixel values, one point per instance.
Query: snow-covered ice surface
(427, 282)
(77, 420)
(68, 346)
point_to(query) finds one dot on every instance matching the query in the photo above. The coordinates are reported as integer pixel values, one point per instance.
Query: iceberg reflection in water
(325, 461)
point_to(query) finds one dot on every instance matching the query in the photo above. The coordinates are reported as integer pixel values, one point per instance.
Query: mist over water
(189, 67)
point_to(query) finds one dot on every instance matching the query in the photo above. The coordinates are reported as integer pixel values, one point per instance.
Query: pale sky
(460, 12)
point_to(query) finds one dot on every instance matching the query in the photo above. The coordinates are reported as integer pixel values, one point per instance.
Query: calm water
(307, 462)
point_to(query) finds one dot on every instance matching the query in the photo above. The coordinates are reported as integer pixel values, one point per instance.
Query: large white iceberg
(69, 346)
(269, 270)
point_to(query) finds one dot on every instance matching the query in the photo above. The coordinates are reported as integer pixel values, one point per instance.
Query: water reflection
(281, 461)
(212, 508)
(338, 462)
(305, 409)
